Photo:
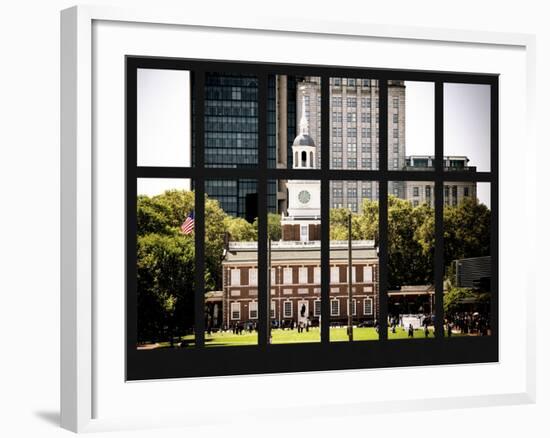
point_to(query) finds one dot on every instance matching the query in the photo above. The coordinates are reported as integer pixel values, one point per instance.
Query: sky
(164, 117)
(466, 124)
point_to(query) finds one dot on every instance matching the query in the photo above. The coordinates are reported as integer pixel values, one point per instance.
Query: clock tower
(303, 219)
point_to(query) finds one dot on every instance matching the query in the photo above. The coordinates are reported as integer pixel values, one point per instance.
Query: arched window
(296, 159)
(304, 159)
(311, 160)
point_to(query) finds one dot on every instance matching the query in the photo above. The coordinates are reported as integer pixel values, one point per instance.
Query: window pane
(353, 316)
(164, 117)
(165, 263)
(231, 258)
(230, 120)
(467, 246)
(411, 125)
(353, 123)
(467, 127)
(294, 122)
(411, 243)
(295, 258)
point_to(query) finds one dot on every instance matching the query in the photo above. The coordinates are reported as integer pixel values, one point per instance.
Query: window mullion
(383, 214)
(199, 208)
(264, 321)
(325, 212)
(439, 261)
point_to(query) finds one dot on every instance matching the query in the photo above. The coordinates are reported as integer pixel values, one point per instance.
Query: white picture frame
(86, 376)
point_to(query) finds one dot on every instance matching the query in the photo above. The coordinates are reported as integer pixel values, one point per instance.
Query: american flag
(189, 224)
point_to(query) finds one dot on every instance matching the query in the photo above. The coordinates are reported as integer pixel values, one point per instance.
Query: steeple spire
(304, 124)
(303, 147)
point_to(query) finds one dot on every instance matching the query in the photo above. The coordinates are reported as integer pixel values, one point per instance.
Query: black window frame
(268, 358)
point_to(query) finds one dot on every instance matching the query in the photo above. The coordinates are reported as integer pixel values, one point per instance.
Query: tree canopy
(166, 258)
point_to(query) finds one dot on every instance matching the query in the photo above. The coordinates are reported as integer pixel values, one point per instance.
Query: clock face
(304, 196)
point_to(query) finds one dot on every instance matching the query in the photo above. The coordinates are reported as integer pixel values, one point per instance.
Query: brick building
(296, 282)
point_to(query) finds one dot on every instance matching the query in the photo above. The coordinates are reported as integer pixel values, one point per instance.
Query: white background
(115, 399)
(29, 219)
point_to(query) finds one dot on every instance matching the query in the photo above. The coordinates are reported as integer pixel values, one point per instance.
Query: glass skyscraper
(231, 139)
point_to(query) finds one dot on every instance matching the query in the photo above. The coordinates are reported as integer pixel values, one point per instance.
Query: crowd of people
(238, 328)
(464, 323)
(468, 323)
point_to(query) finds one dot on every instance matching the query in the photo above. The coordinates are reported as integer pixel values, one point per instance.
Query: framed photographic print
(274, 216)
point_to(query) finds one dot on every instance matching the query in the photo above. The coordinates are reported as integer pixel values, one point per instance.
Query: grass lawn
(292, 336)
(337, 334)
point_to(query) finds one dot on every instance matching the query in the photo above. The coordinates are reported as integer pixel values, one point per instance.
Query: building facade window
(317, 308)
(235, 277)
(235, 311)
(253, 310)
(253, 277)
(353, 307)
(302, 275)
(351, 102)
(287, 309)
(317, 275)
(287, 275)
(335, 274)
(335, 307)
(367, 274)
(367, 306)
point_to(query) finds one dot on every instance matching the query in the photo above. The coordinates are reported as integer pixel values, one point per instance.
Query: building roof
(213, 296)
(303, 140)
(420, 289)
(290, 251)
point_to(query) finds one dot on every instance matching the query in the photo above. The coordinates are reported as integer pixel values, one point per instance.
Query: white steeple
(304, 124)
(304, 196)
(303, 148)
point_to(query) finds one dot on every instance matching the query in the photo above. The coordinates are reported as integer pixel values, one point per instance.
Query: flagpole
(350, 318)
(269, 289)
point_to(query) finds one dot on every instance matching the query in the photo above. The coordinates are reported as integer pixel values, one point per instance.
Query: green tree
(166, 284)
(274, 231)
(214, 242)
(366, 226)
(409, 262)
(163, 213)
(453, 297)
(240, 230)
(466, 232)
(339, 224)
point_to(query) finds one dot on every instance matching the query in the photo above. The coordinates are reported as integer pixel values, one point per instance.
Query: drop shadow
(51, 417)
